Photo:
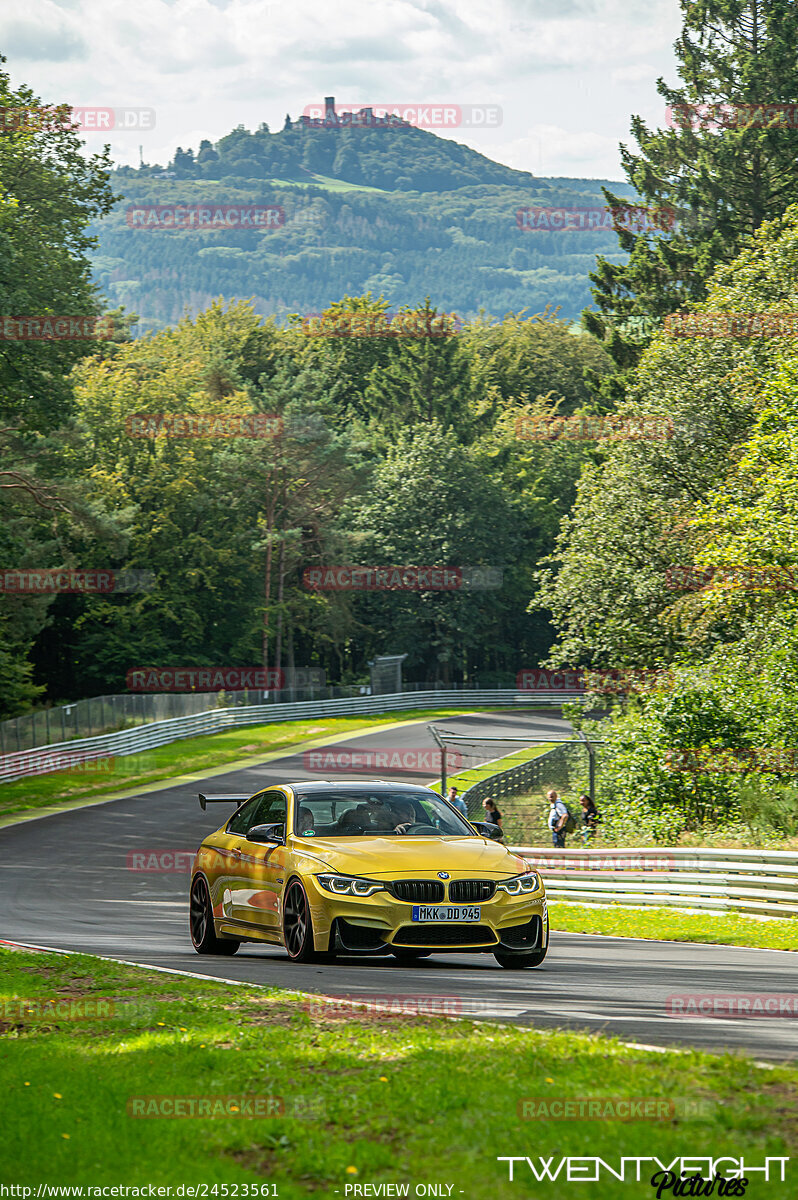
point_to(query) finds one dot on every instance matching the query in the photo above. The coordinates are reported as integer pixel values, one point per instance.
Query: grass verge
(471, 775)
(360, 1097)
(725, 929)
(193, 755)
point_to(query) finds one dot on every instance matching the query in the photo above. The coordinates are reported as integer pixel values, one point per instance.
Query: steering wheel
(421, 826)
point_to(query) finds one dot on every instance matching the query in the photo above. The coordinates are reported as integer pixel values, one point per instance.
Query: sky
(557, 81)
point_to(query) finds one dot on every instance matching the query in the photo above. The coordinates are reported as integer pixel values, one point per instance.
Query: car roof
(307, 788)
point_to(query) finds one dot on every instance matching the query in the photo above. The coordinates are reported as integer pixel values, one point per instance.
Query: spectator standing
(492, 813)
(590, 817)
(558, 819)
(458, 801)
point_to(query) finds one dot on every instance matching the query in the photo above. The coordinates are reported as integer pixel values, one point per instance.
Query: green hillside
(395, 211)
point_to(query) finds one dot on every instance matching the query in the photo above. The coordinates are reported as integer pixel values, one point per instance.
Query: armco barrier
(746, 881)
(22, 764)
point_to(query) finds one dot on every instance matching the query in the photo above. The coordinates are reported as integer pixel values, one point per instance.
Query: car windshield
(384, 813)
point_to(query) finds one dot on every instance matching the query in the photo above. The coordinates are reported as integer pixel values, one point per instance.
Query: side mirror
(488, 829)
(272, 834)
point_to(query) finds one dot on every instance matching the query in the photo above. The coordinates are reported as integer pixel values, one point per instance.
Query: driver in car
(305, 820)
(404, 814)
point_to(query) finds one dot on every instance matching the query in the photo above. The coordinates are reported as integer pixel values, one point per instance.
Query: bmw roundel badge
(443, 874)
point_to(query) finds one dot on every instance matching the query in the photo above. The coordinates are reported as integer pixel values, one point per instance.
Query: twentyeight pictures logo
(584, 1169)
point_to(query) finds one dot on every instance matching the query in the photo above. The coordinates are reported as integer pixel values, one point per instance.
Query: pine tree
(726, 164)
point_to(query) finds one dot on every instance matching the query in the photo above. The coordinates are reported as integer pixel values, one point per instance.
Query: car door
(260, 873)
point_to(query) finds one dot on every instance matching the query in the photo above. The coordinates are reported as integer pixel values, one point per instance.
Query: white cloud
(551, 150)
(569, 73)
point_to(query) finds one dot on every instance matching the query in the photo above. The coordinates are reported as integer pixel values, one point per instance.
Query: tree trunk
(267, 583)
(278, 647)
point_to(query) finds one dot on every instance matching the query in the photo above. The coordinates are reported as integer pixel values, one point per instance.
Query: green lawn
(360, 1097)
(196, 755)
(727, 929)
(471, 775)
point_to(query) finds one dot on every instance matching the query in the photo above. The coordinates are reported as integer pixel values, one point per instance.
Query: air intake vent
(471, 891)
(523, 937)
(432, 934)
(417, 891)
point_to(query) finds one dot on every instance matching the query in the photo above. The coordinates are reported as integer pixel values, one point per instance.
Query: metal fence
(58, 755)
(761, 882)
(103, 714)
(519, 791)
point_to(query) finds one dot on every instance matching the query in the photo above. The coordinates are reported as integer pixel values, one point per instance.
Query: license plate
(446, 912)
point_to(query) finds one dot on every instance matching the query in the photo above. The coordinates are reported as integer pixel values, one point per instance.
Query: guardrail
(746, 881)
(61, 755)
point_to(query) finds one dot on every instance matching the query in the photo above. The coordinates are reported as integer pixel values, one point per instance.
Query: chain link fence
(519, 791)
(105, 714)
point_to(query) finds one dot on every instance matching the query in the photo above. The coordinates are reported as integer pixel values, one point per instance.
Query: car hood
(393, 857)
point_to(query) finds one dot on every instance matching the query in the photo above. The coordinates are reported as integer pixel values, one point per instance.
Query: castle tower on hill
(363, 118)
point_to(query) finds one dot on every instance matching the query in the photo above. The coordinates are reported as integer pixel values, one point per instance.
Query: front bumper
(375, 924)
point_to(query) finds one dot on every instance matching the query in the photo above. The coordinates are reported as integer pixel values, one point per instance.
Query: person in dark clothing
(590, 817)
(492, 813)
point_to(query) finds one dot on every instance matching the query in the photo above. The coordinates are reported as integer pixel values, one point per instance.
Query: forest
(672, 556)
(398, 212)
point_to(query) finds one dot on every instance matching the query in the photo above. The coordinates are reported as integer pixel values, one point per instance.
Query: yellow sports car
(363, 868)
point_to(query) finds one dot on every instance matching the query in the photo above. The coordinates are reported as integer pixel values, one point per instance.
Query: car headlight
(529, 882)
(350, 885)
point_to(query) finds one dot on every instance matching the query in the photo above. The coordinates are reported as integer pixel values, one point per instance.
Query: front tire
(297, 924)
(203, 934)
(514, 960)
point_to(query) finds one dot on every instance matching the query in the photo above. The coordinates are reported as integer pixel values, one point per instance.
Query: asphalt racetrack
(66, 883)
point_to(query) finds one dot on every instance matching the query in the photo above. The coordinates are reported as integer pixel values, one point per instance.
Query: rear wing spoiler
(206, 798)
